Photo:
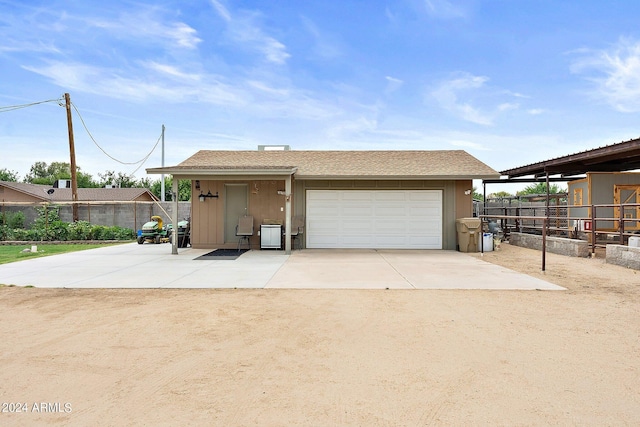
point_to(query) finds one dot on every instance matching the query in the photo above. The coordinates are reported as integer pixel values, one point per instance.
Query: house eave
(217, 173)
(395, 177)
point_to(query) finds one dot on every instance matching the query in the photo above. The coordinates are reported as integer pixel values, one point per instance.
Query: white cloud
(119, 84)
(447, 95)
(615, 73)
(244, 30)
(172, 71)
(445, 9)
(508, 106)
(143, 24)
(183, 35)
(482, 107)
(393, 84)
(325, 46)
(222, 10)
(37, 46)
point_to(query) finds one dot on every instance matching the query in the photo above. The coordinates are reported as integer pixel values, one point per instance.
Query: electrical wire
(17, 107)
(141, 161)
(60, 102)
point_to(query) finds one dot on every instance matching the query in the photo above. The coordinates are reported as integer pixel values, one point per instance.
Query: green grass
(13, 253)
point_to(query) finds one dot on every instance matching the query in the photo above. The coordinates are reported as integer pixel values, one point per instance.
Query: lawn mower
(154, 232)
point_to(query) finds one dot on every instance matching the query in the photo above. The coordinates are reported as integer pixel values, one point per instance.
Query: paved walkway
(153, 266)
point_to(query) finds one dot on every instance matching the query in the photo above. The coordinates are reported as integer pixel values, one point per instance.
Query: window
(577, 197)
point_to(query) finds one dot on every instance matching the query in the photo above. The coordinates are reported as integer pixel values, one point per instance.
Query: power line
(17, 107)
(141, 161)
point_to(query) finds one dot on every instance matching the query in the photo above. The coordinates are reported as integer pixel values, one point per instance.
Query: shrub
(12, 219)
(80, 230)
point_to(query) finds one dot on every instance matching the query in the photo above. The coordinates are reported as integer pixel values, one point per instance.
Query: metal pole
(174, 230)
(593, 230)
(544, 246)
(162, 164)
(621, 224)
(287, 224)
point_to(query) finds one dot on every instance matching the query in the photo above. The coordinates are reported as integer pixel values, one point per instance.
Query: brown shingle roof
(84, 194)
(342, 164)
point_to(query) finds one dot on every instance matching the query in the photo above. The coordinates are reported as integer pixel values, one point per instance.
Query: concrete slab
(337, 269)
(142, 266)
(153, 266)
(398, 269)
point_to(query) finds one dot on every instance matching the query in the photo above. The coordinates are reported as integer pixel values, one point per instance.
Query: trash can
(468, 233)
(487, 242)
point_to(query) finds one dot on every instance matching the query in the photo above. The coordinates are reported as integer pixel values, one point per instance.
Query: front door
(236, 205)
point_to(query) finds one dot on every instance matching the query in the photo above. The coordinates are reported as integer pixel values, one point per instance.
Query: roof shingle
(337, 164)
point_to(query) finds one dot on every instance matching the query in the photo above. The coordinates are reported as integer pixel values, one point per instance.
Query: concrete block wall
(125, 214)
(624, 256)
(555, 245)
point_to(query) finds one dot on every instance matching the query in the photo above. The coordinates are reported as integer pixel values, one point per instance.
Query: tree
(184, 189)
(500, 194)
(41, 173)
(476, 195)
(8, 175)
(120, 180)
(541, 188)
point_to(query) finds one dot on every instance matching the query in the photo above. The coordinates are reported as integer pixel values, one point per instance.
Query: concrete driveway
(153, 266)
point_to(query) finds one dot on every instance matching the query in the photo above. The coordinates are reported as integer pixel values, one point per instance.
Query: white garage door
(380, 219)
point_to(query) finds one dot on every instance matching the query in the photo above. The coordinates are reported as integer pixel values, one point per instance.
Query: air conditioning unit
(62, 183)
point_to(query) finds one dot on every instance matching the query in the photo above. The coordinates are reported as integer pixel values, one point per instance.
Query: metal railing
(617, 228)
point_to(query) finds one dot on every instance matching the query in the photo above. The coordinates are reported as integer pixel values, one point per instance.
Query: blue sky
(510, 81)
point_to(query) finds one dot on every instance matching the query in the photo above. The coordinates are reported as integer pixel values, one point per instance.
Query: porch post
(287, 209)
(174, 230)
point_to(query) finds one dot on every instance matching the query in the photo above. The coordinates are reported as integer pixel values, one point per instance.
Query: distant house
(103, 206)
(347, 199)
(35, 193)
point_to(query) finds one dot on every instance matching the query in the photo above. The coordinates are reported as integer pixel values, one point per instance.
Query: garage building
(343, 199)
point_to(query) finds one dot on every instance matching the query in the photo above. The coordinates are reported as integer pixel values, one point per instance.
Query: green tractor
(154, 232)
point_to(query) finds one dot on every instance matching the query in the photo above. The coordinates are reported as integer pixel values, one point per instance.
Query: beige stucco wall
(208, 216)
(11, 195)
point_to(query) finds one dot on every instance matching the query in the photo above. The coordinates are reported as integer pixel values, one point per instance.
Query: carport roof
(623, 156)
(436, 164)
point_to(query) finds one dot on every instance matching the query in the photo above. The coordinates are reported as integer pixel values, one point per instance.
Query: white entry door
(379, 219)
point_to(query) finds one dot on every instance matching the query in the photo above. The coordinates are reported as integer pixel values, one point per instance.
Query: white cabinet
(270, 236)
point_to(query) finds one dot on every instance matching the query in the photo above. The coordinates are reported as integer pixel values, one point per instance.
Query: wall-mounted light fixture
(202, 196)
(284, 193)
(197, 184)
(467, 192)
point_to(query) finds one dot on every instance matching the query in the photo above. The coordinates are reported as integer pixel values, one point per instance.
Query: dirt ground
(334, 357)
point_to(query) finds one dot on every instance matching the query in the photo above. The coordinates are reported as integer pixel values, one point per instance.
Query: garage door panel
(323, 211)
(374, 219)
(356, 211)
(346, 196)
(325, 241)
(391, 196)
(423, 211)
(322, 195)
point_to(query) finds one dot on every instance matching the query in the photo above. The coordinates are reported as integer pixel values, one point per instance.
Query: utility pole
(162, 176)
(72, 150)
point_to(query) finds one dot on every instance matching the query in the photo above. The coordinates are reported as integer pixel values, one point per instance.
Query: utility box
(468, 230)
(270, 236)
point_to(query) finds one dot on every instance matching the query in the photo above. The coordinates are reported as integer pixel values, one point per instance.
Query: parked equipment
(184, 229)
(153, 231)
